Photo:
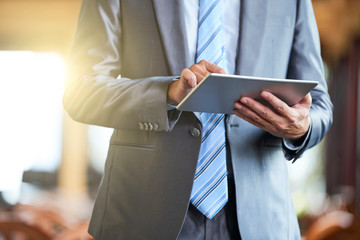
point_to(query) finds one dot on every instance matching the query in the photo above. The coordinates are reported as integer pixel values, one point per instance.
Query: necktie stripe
(207, 163)
(214, 200)
(216, 58)
(203, 8)
(207, 12)
(210, 188)
(217, 201)
(211, 129)
(214, 144)
(220, 58)
(209, 157)
(206, 186)
(209, 193)
(204, 34)
(211, 55)
(217, 205)
(207, 43)
(208, 120)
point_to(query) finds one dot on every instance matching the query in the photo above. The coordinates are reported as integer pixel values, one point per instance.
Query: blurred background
(51, 166)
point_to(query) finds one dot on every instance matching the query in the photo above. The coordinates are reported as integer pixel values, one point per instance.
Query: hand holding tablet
(218, 92)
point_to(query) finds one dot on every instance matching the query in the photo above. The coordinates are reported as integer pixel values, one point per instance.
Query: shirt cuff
(297, 144)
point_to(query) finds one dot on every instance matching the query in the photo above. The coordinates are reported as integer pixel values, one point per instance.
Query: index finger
(280, 106)
(189, 77)
(212, 68)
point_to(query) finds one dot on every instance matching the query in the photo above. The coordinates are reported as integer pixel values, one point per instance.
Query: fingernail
(194, 83)
(265, 94)
(244, 101)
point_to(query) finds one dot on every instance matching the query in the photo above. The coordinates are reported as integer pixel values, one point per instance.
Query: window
(31, 114)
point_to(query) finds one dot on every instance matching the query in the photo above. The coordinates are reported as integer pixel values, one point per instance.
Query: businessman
(190, 175)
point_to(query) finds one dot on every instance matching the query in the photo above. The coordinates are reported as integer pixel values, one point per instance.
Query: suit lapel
(171, 26)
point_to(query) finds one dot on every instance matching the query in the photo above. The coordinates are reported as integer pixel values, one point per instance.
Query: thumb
(306, 101)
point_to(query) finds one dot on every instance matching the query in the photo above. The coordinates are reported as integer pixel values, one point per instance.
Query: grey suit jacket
(126, 53)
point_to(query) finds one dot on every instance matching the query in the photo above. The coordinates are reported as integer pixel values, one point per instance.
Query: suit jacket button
(141, 126)
(151, 126)
(156, 126)
(146, 127)
(195, 132)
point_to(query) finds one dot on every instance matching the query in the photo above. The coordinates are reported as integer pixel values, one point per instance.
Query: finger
(278, 104)
(253, 117)
(212, 68)
(261, 110)
(253, 122)
(200, 71)
(189, 77)
(246, 118)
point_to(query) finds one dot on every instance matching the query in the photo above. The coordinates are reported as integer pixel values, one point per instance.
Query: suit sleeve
(95, 92)
(306, 63)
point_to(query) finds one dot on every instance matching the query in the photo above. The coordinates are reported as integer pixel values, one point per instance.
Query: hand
(286, 122)
(189, 78)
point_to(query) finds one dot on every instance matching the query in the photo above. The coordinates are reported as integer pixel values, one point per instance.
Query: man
(132, 60)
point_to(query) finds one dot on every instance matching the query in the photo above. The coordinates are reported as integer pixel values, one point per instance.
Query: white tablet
(217, 93)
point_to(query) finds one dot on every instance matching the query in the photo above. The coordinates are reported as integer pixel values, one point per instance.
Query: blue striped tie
(209, 193)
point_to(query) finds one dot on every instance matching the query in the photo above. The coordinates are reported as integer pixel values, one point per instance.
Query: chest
(154, 35)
